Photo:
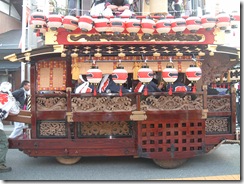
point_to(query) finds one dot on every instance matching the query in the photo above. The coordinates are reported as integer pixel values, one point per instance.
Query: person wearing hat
(8, 106)
(20, 96)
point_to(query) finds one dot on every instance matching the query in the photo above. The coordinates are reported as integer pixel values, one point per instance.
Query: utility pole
(23, 37)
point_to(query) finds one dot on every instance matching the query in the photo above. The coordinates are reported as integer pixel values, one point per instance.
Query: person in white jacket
(8, 106)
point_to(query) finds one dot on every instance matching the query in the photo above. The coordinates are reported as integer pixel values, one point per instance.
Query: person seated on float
(83, 86)
(97, 7)
(151, 87)
(216, 91)
(179, 86)
(117, 8)
(107, 85)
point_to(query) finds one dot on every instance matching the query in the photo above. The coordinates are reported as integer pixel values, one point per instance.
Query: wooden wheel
(68, 160)
(169, 164)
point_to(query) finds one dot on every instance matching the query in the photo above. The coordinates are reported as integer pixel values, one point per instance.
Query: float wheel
(68, 160)
(169, 164)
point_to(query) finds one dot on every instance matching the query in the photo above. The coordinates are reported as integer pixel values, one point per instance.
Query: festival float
(167, 128)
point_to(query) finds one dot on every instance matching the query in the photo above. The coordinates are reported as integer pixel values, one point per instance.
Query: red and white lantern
(148, 26)
(133, 25)
(117, 25)
(120, 76)
(193, 73)
(94, 76)
(193, 24)
(170, 74)
(178, 25)
(101, 24)
(54, 21)
(85, 23)
(235, 20)
(37, 20)
(208, 21)
(223, 20)
(145, 75)
(163, 26)
(70, 23)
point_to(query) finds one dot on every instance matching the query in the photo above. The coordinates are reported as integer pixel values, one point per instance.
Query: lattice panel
(105, 129)
(52, 129)
(169, 137)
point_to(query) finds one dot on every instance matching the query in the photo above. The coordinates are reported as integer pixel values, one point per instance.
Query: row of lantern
(133, 25)
(145, 75)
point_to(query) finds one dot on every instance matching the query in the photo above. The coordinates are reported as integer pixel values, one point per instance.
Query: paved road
(223, 161)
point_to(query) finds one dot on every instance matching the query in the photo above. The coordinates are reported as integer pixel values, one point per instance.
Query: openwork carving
(221, 104)
(102, 104)
(215, 125)
(50, 104)
(172, 103)
(121, 128)
(57, 129)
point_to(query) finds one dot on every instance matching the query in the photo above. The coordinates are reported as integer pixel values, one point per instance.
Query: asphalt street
(223, 161)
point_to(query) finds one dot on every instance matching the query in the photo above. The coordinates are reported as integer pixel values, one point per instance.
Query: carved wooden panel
(52, 129)
(104, 129)
(172, 103)
(218, 104)
(217, 125)
(51, 103)
(102, 104)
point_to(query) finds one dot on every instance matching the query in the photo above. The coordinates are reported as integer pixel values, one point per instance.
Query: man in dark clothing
(21, 96)
(117, 7)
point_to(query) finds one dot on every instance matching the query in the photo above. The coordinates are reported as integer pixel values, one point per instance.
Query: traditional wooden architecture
(167, 128)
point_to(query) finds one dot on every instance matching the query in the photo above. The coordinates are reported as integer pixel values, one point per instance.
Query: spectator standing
(8, 106)
(21, 96)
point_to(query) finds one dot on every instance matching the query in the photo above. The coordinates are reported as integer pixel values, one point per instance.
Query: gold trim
(11, 57)
(204, 113)
(69, 116)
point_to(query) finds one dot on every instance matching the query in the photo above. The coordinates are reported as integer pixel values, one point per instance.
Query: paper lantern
(70, 23)
(94, 76)
(148, 25)
(178, 25)
(193, 24)
(163, 26)
(85, 23)
(223, 20)
(120, 76)
(208, 21)
(54, 21)
(193, 73)
(133, 25)
(145, 75)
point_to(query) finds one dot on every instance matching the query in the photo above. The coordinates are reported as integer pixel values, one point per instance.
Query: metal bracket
(204, 113)
(69, 116)
(138, 116)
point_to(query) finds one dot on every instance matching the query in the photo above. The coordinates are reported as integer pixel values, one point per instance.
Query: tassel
(194, 89)
(170, 90)
(145, 91)
(95, 91)
(120, 90)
